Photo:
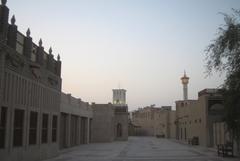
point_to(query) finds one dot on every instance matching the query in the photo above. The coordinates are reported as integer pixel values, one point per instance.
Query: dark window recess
(54, 128)
(45, 128)
(33, 128)
(3, 121)
(181, 133)
(18, 127)
(185, 133)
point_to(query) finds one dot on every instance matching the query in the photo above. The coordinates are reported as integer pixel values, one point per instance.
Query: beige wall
(75, 117)
(20, 90)
(153, 121)
(160, 122)
(191, 118)
(102, 123)
(194, 120)
(221, 136)
(144, 119)
(121, 118)
(75, 106)
(109, 123)
(172, 124)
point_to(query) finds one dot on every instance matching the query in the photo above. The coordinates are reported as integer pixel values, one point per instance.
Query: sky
(143, 46)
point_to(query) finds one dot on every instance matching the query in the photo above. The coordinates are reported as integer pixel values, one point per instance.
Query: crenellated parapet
(24, 56)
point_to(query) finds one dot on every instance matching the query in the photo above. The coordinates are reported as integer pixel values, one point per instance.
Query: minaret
(185, 86)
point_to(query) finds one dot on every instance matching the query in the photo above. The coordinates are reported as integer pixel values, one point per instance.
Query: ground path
(140, 149)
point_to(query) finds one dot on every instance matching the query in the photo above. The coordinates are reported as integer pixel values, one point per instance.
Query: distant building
(154, 121)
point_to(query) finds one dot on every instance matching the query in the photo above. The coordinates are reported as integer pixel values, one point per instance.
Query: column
(87, 130)
(2, 64)
(78, 130)
(68, 132)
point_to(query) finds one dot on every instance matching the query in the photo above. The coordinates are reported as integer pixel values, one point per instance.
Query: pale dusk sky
(143, 45)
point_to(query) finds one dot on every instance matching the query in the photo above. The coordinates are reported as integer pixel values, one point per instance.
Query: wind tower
(185, 81)
(119, 97)
(121, 114)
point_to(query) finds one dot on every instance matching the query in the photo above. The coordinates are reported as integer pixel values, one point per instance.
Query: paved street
(139, 149)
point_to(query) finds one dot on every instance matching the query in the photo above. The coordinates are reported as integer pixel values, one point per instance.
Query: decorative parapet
(24, 46)
(75, 106)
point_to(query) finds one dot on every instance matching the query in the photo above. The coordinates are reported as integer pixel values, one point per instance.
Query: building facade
(110, 121)
(75, 121)
(30, 93)
(103, 122)
(203, 113)
(36, 119)
(121, 123)
(154, 121)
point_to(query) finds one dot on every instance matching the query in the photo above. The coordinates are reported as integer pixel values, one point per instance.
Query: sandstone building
(197, 118)
(121, 114)
(200, 118)
(75, 122)
(36, 119)
(30, 93)
(154, 121)
(110, 121)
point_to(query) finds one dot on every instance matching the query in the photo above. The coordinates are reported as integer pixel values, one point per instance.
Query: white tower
(119, 97)
(185, 80)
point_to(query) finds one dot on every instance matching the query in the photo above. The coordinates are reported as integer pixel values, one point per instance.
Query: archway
(119, 130)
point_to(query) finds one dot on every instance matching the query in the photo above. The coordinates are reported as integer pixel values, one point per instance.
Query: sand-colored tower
(185, 81)
(119, 97)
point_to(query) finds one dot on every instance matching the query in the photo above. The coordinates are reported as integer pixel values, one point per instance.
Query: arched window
(119, 130)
